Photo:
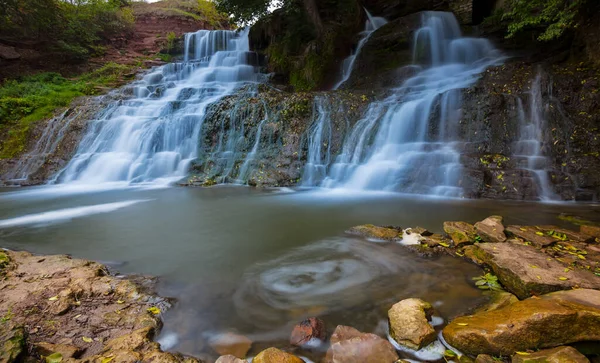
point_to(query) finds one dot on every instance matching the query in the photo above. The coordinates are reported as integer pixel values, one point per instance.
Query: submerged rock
(498, 300)
(532, 273)
(376, 232)
(556, 355)
(230, 359)
(409, 323)
(491, 229)
(308, 331)
(274, 355)
(552, 320)
(349, 345)
(231, 344)
(460, 232)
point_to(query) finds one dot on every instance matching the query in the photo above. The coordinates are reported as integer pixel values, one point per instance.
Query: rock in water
(460, 232)
(230, 359)
(349, 345)
(556, 355)
(491, 229)
(231, 344)
(308, 331)
(532, 273)
(552, 320)
(409, 323)
(530, 234)
(274, 355)
(12, 343)
(593, 231)
(376, 232)
(498, 300)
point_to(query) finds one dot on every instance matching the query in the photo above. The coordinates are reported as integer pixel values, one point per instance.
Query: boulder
(274, 355)
(498, 300)
(12, 343)
(549, 321)
(484, 358)
(230, 359)
(460, 232)
(67, 351)
(435, 240)
(563, 233)
(556, 355)
(349, 345)
(593, 231)
(8, 53)
(491, 229)
(532, 273)
(376, 232)
(308, 331)
(231, 344)
(530, 234)
(409, 323)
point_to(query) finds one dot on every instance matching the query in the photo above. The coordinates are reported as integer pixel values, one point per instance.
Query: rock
(132, 341)
(409, 323)
(491, 229)
(349, 345)
(311, 329)
(231, 344)
(533, 272)
(556, 355)
(371, 231)
(484, 358)
(230, 359)
(593, 231)
(419, 230)
(570, 235)
(435, 240)
(460, 232)
(498, 300)
(530, 234)
(8, 53)
(552, 320)
(274, 355)
(67, 351)
(12, 343)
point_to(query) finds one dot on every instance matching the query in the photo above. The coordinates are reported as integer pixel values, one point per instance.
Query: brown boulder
(531, 234)
(552, 320)
(349, 345)
(8, 53)
(593, 231)
(532, 273)
(230, 359)
(231, 344)
(460, 232)
(409, 323)
(498, 300)
(274, 355)
(376, 232)
(308, 330)
(556, 355)
(491, 229)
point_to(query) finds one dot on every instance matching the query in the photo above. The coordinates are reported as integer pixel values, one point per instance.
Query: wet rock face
(491, 229)
(461, 233)
(274, 355)
(12, 343)
(556, 355)
(548, 321)
(349, 345)
(409, 323)
(308, 331)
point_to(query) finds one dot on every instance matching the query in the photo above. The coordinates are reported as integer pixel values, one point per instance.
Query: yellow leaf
(581, 257)
(538, 277)
(462, 324)
(154, 310)
(533, 266)
(563, 278)
(523, 353)
(120, 301)
(106, 359)
(567, 269)
(77, 316)
(54, 358)
(53, 298)
(87, 340)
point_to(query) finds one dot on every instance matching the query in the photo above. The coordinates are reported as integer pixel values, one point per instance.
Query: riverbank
(77, 308)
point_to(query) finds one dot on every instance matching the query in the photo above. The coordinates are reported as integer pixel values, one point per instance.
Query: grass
(25, 101)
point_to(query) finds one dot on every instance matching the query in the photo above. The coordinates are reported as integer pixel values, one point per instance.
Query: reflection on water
(256, 262)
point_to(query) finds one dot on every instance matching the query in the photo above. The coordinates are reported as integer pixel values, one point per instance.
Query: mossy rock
(12, 343)
(376, 232)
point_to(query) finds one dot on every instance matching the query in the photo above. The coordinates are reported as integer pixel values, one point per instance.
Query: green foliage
(554, 17)
(244, 11)
(73, 27)
(30, 99)
(210, 13)
(488, 282)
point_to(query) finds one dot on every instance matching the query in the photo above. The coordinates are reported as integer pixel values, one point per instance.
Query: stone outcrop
(556, 355)
(491, 229)
(309, 331)
(349, 345)
(461, 233)
(230, 359)
(377, 232)
(409, 323)
(525, 271)
(274, 355)
(548, 321)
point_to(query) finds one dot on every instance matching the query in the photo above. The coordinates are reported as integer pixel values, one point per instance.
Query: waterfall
(372, 24)
(528, 150)
(407, 142)
(153, 136)
(319, 144)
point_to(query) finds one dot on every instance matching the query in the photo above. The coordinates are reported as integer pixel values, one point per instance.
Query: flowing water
(406, 142)
(319, 144)
(256, 262)
(372, 24)
(153, 136)
(529, 149)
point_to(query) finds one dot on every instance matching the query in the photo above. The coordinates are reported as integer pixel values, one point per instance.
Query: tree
(554, 17)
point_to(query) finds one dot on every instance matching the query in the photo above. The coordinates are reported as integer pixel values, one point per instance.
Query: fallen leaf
(462, 324)
(523, 353)
(53, 298)
(54, 358)
(120, 301)
(87, 340)
(106, 359)
(563, 278)
(154, 310)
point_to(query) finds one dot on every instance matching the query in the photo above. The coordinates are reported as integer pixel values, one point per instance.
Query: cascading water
(529, 148)
(319, 144)
(406, 142)
(372, 24)
(153, 137)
